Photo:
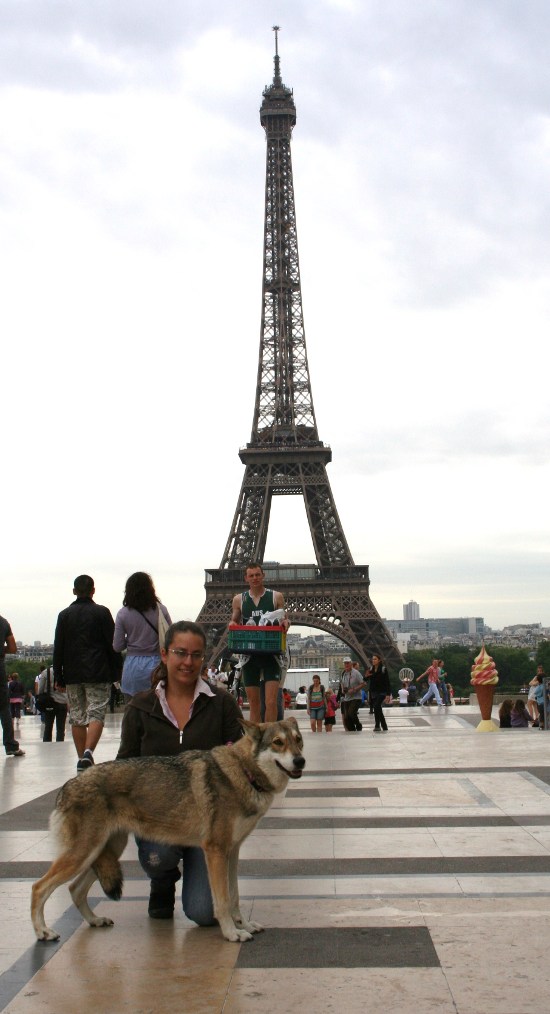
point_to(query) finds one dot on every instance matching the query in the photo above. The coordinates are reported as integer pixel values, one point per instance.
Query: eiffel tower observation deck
(285, 456)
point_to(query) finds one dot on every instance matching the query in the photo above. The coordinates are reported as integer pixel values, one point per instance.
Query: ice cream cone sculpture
(484, 678)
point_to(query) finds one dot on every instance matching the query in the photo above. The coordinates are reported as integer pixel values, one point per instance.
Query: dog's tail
(108, 870)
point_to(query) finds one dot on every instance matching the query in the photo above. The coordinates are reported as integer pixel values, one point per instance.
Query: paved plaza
(407, 872)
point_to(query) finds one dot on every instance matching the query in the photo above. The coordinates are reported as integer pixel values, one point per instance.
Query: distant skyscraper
(411, 611)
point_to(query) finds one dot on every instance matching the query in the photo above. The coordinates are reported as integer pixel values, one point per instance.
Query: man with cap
(351, 687)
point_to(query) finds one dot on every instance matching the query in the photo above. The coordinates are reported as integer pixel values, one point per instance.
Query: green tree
(543, 656)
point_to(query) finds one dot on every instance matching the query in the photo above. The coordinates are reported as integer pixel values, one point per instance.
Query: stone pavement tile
(414, 791)
(336, 803)
(494, 841)
(507, 884)
(514, 791)
(380, 886)
(283, 887)
(334, 911)
(355, 990)
(21, 844)
(279, 845)
(379, 842)
(489, 949)
(137, 965)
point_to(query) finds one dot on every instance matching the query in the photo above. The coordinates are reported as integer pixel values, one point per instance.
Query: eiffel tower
(285, 456)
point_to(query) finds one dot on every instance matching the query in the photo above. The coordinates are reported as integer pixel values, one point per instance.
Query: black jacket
(379, 681)
(83, 645)
(146, 732)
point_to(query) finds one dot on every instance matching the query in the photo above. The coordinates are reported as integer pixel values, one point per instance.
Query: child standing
(331, 705)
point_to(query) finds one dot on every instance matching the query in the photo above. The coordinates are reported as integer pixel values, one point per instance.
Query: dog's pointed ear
(251, 729)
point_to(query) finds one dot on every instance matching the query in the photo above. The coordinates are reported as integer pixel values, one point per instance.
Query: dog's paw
(47, 936)
(237, 936)
(101, 920)
(248, 925)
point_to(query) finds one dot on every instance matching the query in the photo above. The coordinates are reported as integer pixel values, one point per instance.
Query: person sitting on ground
(181, 712)
(504, 713)
(519, 717)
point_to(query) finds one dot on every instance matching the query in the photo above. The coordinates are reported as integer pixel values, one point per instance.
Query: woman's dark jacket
(379, 681)
(146, 732)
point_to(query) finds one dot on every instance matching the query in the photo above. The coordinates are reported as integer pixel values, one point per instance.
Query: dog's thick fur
(211, 798)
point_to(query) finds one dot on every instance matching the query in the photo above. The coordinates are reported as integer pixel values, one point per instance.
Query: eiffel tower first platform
(285, 456)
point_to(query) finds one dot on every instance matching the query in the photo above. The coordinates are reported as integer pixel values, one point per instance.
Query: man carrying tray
(252, 604)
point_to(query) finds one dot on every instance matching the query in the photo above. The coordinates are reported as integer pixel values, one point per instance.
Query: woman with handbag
(53, 706)
(140, 627)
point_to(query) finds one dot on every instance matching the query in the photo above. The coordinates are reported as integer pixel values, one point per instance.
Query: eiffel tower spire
(284, 455)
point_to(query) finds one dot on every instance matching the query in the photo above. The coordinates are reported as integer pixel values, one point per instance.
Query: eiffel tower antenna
(285, 456)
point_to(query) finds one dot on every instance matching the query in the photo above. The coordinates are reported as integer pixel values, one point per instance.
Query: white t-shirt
(301, 698)
(403, 695)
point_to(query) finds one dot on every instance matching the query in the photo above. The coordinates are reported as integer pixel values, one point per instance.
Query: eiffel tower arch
(285, 456)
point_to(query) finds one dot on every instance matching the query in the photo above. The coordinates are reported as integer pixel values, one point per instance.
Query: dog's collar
(255, 784)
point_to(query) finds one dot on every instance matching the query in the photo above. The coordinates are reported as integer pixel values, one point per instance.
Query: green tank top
(250, 609)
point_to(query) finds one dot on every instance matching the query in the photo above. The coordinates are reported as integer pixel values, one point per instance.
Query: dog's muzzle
(299, 764)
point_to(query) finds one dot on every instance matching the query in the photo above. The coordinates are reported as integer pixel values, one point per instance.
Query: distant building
(435, 628)
(411, 611)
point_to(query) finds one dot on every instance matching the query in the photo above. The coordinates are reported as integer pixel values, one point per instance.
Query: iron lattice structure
(285, 456)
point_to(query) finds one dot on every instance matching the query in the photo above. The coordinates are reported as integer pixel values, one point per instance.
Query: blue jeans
(432, 692)
(161, 864)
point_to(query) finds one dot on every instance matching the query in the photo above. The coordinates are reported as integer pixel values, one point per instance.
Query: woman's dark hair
(181, 627)
(519, 705)
(505, 708)
(139, 592)
(301, 690)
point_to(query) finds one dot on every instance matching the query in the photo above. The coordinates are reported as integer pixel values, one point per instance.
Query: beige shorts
(88, 702)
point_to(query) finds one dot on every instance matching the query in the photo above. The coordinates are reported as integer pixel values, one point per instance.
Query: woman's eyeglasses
(196, 656)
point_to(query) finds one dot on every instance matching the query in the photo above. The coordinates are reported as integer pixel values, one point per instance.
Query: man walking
(7, 644)
(85, 663)
(351, 687)
(432, 672)
(250, 605)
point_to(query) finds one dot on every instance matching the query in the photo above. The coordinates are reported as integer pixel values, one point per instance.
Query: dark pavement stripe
(423, 866)
(340, 947)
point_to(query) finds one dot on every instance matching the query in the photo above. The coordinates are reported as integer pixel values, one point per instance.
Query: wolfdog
(211, 798)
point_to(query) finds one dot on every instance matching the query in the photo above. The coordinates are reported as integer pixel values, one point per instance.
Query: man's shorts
(88, 702)
(258, 664)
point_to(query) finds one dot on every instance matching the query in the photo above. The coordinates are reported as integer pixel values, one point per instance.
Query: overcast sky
(132, 167)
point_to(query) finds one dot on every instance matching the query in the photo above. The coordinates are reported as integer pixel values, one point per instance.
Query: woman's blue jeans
(161, 864)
